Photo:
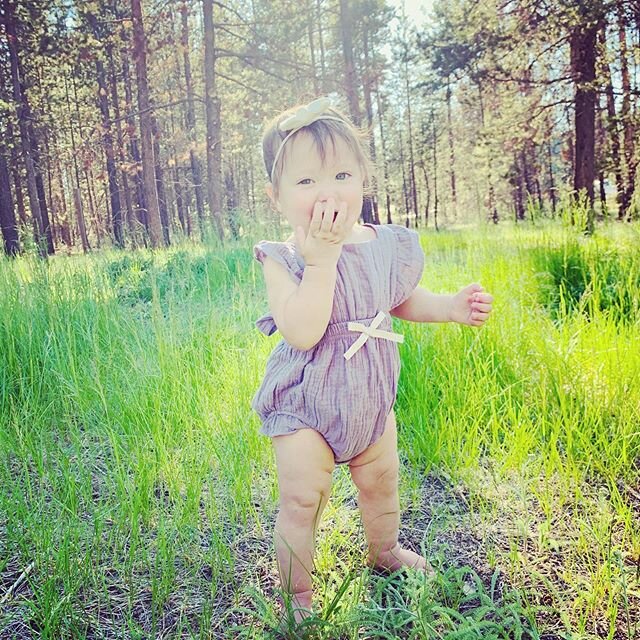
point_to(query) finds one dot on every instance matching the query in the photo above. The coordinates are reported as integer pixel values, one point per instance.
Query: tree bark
(323, 70)
(583, 58)
(107, 139)
(146, 135)
(159, 172)
(214, 142)
(77, 198)
(17, 184)
(434, 148)
(385, 166)
(405, 187)
(370, 202)
(493, 210)
(412, 170)
(42, 197)
(190, 120)
(121, 146)
(350, 79)
(626, 116)
(612, 123)
(141, 205)
(552, 184)
(452, 155)
(312, 48)
(7, 212)
(24, 115)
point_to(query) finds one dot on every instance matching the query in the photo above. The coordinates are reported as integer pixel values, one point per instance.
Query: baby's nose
(325, 194)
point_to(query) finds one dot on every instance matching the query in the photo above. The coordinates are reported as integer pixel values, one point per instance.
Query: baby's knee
(302, 503)
(380, 479)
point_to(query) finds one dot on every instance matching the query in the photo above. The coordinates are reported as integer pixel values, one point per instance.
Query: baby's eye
(343, 175)
(305, 181)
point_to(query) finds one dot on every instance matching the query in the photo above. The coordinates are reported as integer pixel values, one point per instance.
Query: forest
(127, 129)
(137, 497)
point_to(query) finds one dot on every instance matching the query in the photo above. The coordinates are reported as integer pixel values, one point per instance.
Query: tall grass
(133, 478)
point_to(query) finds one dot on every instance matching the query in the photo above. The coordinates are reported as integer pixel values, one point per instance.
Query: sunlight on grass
(134, 479)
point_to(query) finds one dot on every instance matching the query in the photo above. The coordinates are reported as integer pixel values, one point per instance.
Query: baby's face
(306, 180)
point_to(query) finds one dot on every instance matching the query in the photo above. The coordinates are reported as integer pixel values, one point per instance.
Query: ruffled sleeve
(284, 255)
(409, 263)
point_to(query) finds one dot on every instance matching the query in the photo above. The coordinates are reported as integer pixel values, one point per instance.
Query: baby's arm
(469, 306)
(301, 312)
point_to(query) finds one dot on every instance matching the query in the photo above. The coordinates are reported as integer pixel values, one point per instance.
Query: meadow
(137, 498)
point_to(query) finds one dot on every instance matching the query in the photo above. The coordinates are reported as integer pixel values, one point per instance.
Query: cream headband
(303, 117)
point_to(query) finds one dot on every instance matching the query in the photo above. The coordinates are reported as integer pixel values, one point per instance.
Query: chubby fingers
(481, 306)
(328, 220)
(329, 208)
(341, 220)
(316, 219)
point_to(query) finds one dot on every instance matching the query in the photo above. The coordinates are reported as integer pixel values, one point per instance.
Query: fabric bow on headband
(303, 117)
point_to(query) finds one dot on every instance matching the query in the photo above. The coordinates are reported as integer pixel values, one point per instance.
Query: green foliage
(132, 474)
(180, 274)
(590, 278)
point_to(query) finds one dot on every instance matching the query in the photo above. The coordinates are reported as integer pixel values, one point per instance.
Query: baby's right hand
(322, 244)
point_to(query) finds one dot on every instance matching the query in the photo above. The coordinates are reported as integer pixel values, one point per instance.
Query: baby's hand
(329, 227)
(471, 306)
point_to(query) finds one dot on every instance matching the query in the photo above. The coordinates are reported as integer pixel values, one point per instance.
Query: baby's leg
(305, 462)
(375, 473)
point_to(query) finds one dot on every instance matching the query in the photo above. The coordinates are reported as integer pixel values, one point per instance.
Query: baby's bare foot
(398, 558)
(301, 605)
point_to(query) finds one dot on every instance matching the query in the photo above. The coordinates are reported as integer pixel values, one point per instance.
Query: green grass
(134, 483)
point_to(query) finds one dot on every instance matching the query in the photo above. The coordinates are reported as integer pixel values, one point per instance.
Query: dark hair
(324, 131)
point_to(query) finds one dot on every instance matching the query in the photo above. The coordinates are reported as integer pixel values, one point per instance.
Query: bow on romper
(345, 391)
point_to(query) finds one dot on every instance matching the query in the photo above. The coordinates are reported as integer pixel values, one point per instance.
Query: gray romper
(346, 401)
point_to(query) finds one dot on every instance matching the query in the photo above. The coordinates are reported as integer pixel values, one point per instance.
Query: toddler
(329, 387)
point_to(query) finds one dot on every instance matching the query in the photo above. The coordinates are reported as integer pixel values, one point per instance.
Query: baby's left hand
(471, 305)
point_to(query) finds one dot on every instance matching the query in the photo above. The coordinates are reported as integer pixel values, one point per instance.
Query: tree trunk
(65, 230)
(412, 170)
(312, 48)
(385, 166)
(162, 196)
(17, 184)
(146, 135)
(427, 203)
(612, 123)
(77, 198)
(583, 59)
(405, 188)
(42, 197)
(178, 189)
(24, 116)
(190, 121)
(93, 210)
(626, 116)
(323, 70)
(518, 190)
(7, 212)
(493, 210)
(552, 184)
(121, 146)
(350, 79)
(214, 141)
(452, 156)
(107, 140)
(367, 83)
(141, 205)
(435, 170)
